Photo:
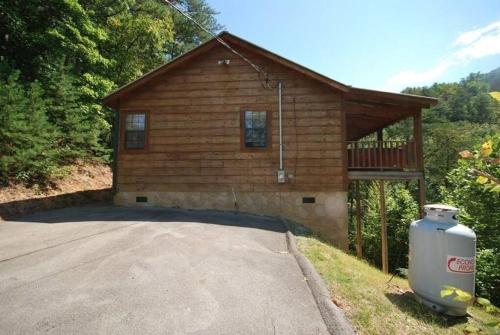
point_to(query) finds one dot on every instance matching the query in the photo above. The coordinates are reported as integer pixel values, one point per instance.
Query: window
(255, 124)
(135, 131)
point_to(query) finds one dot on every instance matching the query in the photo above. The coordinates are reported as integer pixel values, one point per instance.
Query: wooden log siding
(194, 137)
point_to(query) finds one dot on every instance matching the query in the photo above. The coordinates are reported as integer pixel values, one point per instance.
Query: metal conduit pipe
(281, 171)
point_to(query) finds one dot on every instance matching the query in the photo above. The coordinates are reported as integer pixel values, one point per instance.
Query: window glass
(135, 135)
(255, 129)
(136, 121)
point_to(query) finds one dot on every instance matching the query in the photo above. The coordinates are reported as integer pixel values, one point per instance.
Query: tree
(188, 35)
(479, 205)
(42, 36)
(29, 150)
(442, 143)
(401, 210)
(38, 33)
(78, 126)
(139, 35)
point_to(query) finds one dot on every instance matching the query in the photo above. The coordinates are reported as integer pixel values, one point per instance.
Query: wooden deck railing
(382, 155)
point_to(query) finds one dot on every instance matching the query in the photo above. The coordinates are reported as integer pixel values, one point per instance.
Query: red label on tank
(458, 264)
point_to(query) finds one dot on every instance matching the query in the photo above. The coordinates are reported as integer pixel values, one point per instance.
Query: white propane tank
(442, 253)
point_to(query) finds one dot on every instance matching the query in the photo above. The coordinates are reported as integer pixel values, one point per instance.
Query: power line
(221, 41)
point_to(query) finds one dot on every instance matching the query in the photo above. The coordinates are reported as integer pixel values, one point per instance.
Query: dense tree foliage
(58, 58)
(478, 203)
(473, 186)
(468, 100)
(27, 153)
(442, 143)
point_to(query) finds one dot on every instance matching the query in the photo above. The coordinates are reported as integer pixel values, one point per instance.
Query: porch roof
(369, 110)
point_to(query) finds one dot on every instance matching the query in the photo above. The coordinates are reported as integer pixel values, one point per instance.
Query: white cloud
(471, 36)
(473, 44)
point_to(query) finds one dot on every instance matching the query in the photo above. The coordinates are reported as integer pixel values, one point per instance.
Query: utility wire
(221, 41)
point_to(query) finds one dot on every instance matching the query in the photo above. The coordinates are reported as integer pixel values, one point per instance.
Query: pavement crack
(60, 271)
(66, 242)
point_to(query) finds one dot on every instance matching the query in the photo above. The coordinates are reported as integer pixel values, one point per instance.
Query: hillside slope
(79, 184)
(375, 304)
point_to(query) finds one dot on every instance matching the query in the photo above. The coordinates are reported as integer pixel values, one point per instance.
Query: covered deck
(369, 112)
(371, 157)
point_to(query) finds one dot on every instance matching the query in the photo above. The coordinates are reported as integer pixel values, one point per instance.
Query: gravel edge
(333, 316)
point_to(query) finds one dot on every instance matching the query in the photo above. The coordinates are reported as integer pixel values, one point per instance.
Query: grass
(495, 95)
(375, 307)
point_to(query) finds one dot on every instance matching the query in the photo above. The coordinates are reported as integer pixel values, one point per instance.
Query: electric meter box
(442, 253)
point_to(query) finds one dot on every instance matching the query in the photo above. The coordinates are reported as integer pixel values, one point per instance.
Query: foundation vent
(308, 200)
(141, 199)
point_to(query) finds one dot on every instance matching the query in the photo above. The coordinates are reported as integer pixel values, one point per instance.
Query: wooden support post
(419, 146)
(359, 251)
(417, 135)
(380, 138)
(421, 197)
(383, 230)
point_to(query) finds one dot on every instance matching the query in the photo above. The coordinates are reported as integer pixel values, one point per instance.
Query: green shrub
(488, 275)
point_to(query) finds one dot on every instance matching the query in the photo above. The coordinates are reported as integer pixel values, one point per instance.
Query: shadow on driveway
(154, 214)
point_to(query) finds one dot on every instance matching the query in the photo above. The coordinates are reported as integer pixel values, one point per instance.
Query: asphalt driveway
(111, 270)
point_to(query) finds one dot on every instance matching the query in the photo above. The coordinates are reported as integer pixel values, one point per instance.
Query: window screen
(135, 135)
(255, 129)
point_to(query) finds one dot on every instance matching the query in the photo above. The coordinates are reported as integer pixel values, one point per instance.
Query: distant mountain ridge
(471, 99)
(493, 79)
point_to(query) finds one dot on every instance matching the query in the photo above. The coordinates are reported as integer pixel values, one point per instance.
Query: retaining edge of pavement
(333, 316)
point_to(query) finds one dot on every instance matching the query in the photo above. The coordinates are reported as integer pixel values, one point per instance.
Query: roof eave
(423, 101)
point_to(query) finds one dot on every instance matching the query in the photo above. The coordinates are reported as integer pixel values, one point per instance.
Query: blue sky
(385, 45)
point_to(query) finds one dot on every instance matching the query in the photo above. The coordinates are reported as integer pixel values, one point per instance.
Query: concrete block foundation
(324, 212)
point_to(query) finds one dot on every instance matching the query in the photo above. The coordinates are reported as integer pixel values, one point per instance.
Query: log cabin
(232, 126)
